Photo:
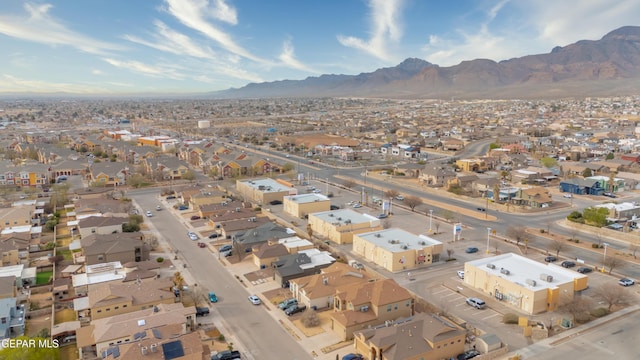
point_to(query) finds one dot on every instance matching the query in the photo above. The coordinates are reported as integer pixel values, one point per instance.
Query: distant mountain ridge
(606, 67)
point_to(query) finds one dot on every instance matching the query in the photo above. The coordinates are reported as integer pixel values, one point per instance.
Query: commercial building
(305, 204)
(523, 283)
(263, 191)
(396, 249)
(339, 226)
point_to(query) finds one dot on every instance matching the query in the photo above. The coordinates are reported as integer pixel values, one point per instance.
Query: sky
(193, 46)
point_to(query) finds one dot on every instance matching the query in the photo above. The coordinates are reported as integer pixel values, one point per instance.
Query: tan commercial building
(339, 226)
(396, 249)
(523, 283)
(263, 191)
(305, 204)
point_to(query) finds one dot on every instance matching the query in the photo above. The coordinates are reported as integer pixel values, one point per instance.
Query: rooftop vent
(491, 266)
(545, 277)
(504, 271)
(530, 282)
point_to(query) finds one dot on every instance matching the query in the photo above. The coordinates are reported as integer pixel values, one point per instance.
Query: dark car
(334, 207)
(224, 248)
(469, 354)
(195, 217)
(481, 209)
(227, 355)
(352, 357)
(471, 250)
(550, 259)
(171, 197)
(183, 207)
(584, 270)
(202, 311)
(568, 264)
(275, 202)
(201, 244)
(213, 236)
(611, 195)
(294, 309)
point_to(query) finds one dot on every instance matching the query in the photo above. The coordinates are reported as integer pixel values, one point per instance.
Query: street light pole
(430, 221)
(604, 258)
(488, 235)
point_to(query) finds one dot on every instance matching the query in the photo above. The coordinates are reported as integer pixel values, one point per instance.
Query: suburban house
(302, 263)
(395, 249)
(12, 318)
(144, 327)
(424, 336)
(535, 197)
(261, 234)
(472, 165)
(339, 226)
(108, 174)
(371, 304)
(580, 186)
(112, 298)
(304, 204)
(318, 290)
(525, 284)
(102, 225)
(268, 253)
(436, 176)
(122, 247)
(622, 212)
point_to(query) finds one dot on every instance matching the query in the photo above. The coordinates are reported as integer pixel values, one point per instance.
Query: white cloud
(224, 12)
(38, 26)
(97, 72)
(163, 71)
(386, 29)
(288, 57)
(12, 83)
(169, 40)
(195, 15)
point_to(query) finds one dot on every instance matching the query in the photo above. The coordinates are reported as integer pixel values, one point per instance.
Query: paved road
(254, 329)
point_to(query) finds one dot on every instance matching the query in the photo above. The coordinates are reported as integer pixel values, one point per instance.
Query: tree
(56, 259)
(189, 175)
(633, 248)
(612, 294)
(494, 146)
(595, 216)
(587, 173)
(578, 307)
(557, 246)
(288, 167)
(310, 231)
(152, 242)
(392, 193)
(450, 253)
(386, 223)
(613, 262)
(348, 183)
(610, 156)
(549, 162)
(447, 215)
(517, 232)
(135, 181)
(310, 318)
(437, 225)
(412, 202)
(178, 282)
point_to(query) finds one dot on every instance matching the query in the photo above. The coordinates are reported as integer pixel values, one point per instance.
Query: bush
(599, 312)
(541, 231)
(510, 318)
(597, 246)
(220, 337)
(160, 259)
(310, 318)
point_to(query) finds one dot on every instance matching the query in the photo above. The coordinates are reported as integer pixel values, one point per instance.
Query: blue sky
(168, 46)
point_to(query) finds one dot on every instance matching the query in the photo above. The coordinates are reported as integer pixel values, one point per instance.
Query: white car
(356, 205)
(461, 274)
(254, 300)
(400, 197)
(149, 214)
(567, 195)
(192, 236)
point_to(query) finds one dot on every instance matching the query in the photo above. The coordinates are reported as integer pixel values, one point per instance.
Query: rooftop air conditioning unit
(144, 350)
(491, 266)
(379, 235)
(545, 277)
(530, 282)
(348, 221)
(330, 215)
(237, 209)
(154, 347)
(405, 247)
(364, 308)
(504, 271)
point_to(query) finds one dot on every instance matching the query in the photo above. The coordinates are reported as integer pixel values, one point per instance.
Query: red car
(202, 245)
(195, 217)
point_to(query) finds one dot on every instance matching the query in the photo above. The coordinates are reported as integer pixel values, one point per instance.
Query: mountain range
(606, 67)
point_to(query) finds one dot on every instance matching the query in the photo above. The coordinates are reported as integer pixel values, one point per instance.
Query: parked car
(254, 300)
(469, 354)
(227, 355)
(626, 282)
(195, 217)
(611, 195)
(202, 311)
(568, 264)
(383, 216)
(275, 202)
(183, 207)
(476, 303)
(193, 236)
(213, 298)
(400, 197)
(213, 236)
(294, 309)
(550, 259)
(352, 357)
(461, 274)
(356, 205)
(481, 209)
(201, 244)
(225, 248)
(158, 207)
(149, 214)
(286, 303)
(567, 196)
(471, 250)
(170, 197)
(584, 270)
(334, 207)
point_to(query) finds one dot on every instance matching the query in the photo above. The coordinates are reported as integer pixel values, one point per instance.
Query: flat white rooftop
(396, 240)
(345, 216)
(266, 185)
(306, 198)
(520, 269)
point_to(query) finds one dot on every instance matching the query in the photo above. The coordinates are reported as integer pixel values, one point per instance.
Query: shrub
(599, 312)
(541, 231)
(597, 246)
(220, 337)
(510, 318)
(310, 318)
(160, 259)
